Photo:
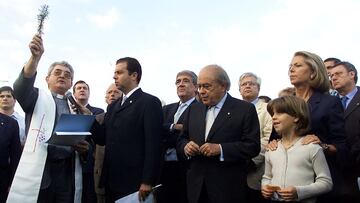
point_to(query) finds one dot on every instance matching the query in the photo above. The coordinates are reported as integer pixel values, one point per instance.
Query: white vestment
(27, 180)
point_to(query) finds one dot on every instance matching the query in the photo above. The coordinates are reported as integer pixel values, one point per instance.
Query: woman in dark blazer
(308, 75)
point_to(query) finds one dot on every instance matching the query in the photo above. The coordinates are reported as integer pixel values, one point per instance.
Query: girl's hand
(288, 194)
(267, 191)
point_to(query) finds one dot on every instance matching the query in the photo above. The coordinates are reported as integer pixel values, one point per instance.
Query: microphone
(73, 102)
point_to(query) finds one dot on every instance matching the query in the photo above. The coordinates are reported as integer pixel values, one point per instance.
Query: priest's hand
(82, 147)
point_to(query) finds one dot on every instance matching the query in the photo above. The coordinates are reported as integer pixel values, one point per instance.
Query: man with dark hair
(81, 92)
(46, 173)
(10, 152)
(329, 64)
(7, 104)
(344, 78)
(220, 135)
(132, 128)
(173, 177)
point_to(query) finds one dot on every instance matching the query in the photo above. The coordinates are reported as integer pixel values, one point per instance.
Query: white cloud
(26, 29)
(106, 20)
(18, 7)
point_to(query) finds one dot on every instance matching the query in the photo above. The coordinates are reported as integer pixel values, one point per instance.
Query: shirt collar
(221, 102)
(255, 101)
(188, 102)
(131, 92)
(59, 96)
(351, 94)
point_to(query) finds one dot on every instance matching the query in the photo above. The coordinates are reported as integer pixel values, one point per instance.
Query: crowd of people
(208, 147)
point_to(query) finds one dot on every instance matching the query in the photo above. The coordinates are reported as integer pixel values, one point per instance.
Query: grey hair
(250, 74)
(61, 63)
(193, 76)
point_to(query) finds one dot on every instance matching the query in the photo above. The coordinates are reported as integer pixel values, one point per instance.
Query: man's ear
(47, 78)
(134, 75)
(352, 74)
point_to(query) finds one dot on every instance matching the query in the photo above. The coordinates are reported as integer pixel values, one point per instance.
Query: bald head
(213, 84)
(219, 74)
(112, 94)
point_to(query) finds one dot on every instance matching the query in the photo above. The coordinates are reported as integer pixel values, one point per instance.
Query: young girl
(294, 172)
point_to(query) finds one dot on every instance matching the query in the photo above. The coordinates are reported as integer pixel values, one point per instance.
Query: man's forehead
(5, 93)
(206, 78)
(248, 78)
(121, 65)
(113, 91)
(62, 68)
(183, 76)
(338, 68)
(81, 85)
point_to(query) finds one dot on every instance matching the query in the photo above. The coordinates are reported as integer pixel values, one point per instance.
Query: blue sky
(259, 36)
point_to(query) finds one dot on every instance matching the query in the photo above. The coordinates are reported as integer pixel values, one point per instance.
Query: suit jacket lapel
(172, 112)
(224, 114)
(354, 103)
(314, 101)
(202, 121)
(129, 101)
(259, 107)
(181, 119)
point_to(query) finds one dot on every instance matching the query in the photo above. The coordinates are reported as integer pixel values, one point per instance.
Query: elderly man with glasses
(46, 173)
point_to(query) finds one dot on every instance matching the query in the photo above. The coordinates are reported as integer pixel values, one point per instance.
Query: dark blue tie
(343, 101)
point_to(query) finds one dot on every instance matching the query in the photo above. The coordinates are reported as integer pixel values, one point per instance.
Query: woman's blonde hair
(319, 80)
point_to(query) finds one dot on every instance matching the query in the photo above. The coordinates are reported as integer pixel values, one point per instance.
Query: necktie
(123, 100)
(210, 117)
(179, 111)
(343, 101)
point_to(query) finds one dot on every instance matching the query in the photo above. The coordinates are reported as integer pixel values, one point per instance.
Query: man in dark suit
(344, 77)
(132, 128)
(220, 136)
(81, 92)
(10, 152)
(173, 176)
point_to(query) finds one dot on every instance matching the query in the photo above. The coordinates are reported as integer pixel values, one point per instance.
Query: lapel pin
(130, 101)
(228, 113)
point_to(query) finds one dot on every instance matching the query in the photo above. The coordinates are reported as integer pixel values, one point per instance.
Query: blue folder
(71, 129)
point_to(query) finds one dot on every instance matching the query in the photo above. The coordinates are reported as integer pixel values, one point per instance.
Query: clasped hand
(287, 194)
(207, 149)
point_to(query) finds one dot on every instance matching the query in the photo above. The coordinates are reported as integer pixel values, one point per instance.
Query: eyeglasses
(58, 73)
(248, 83)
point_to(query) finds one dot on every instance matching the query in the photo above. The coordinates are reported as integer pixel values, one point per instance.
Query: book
(71, 129)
